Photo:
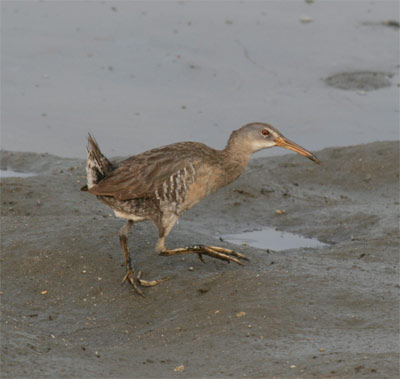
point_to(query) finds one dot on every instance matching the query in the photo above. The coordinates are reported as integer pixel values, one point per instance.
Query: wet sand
(321, 312)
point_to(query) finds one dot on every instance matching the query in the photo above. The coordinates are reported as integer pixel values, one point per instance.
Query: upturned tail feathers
(97, 165)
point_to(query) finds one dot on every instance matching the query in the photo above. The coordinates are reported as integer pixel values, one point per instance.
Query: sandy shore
(326, 312)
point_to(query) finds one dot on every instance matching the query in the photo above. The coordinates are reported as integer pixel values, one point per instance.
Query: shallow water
(155, 74)
(14, 174)
(273, 239)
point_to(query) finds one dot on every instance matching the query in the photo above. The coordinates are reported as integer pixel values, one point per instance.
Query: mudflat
(330, 311)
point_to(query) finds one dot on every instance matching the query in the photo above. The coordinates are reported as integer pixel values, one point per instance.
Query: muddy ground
(326, 312)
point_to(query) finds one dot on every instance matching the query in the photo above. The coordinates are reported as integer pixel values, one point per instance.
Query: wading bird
(160, 184)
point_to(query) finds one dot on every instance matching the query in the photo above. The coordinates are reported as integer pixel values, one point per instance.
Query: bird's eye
(265, 132)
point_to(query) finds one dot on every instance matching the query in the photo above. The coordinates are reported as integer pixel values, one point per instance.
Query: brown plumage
(160, 184)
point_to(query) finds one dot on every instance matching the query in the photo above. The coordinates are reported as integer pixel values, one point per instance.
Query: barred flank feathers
(97, 166)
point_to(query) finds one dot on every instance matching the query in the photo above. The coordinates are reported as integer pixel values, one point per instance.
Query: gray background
(144, 74)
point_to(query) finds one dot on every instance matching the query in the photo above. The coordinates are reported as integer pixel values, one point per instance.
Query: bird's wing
(150, 174)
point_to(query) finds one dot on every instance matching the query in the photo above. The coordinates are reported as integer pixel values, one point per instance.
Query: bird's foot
(212, 251)
(136, 281)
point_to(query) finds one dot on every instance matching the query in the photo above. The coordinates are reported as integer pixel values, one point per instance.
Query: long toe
(229, 252)
(133, 281)
(149, 283)
(136, 281)
(212, 251)
(208, 250)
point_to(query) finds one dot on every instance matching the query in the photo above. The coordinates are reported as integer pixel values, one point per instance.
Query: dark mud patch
(359, 80)
(388, 23)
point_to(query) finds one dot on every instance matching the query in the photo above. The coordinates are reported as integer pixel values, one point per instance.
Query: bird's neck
(235, 157)
(238, 149)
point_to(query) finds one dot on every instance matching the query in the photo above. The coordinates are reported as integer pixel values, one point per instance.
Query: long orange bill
(288, 144)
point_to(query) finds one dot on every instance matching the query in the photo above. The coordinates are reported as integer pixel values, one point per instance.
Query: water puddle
(14, 174)
(273, 239)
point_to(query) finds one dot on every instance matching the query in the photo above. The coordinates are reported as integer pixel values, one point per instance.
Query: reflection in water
(273, 239)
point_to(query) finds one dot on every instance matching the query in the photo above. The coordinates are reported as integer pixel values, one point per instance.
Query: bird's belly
(134, 209)
(128, 216)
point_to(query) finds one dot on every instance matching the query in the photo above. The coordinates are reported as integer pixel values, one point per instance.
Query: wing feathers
(162, 173)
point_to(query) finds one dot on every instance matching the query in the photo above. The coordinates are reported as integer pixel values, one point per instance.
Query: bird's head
(257, 136)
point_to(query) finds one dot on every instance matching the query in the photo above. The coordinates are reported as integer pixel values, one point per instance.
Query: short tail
(97, 165)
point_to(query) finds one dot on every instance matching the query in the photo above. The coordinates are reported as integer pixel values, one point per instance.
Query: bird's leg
(212, 251)
(130, 276)
(130, 271)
